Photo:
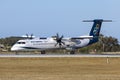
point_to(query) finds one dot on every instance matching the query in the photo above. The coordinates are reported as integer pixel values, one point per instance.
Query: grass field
(59, 69)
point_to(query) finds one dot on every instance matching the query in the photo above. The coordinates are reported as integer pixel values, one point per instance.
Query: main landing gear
(72, 52)
(42, 52)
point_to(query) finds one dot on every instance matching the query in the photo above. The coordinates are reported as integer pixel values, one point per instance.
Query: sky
(45, 18)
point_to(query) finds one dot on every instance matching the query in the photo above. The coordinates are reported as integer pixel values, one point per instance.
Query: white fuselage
(48, 43)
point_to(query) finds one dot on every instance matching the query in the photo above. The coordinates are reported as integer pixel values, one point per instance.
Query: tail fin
(95, 31)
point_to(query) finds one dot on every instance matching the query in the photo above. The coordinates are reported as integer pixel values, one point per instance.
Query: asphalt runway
(57, 55)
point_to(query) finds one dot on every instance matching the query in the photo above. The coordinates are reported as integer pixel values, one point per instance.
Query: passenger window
(23, 42)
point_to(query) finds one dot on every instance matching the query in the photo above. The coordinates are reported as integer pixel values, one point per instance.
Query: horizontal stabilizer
(101, 20)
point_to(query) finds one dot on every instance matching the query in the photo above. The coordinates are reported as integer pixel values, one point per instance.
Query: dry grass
(59, 69)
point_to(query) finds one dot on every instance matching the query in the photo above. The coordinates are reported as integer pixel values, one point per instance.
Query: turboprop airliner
(59, 42)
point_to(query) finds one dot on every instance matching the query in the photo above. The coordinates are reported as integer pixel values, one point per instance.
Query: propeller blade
(56, 44)
(31, 37)
(61, 37)
(63, 43)
(59, 40)
(27, 35)
(57, 36)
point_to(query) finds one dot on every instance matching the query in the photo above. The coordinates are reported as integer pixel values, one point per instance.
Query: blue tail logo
(96, 30)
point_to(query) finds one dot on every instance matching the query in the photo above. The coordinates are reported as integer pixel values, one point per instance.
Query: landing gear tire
(16, 52)
(42, 52)
(72, 52)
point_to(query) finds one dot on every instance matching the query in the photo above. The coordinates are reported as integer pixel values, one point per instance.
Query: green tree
(9, 41)
(105, 44)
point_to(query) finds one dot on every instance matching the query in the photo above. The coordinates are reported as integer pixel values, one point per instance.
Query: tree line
(105, 44)
(8, 42)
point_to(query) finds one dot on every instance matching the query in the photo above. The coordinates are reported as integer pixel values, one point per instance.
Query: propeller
(31, 36)
(28, 36)
(59, 40)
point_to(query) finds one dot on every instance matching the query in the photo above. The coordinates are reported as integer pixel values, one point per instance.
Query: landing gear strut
(72, 52)
(42, 52)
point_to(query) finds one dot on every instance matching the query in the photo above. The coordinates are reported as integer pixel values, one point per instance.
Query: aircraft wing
(82, 37)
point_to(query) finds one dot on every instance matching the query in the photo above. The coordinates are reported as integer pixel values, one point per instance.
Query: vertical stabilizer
(95, 31)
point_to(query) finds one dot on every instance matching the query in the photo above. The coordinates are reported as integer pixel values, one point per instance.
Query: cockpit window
(20, 42)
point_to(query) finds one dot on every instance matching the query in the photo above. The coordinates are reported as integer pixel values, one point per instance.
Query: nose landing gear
(42, 52)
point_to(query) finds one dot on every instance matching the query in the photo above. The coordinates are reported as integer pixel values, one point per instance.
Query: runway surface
(57, 55)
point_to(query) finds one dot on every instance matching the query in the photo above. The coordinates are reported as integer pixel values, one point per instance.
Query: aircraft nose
(16, 48)
(13, 49)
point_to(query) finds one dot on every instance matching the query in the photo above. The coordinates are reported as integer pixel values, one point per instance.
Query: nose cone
(17, 48)
(13, 48)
